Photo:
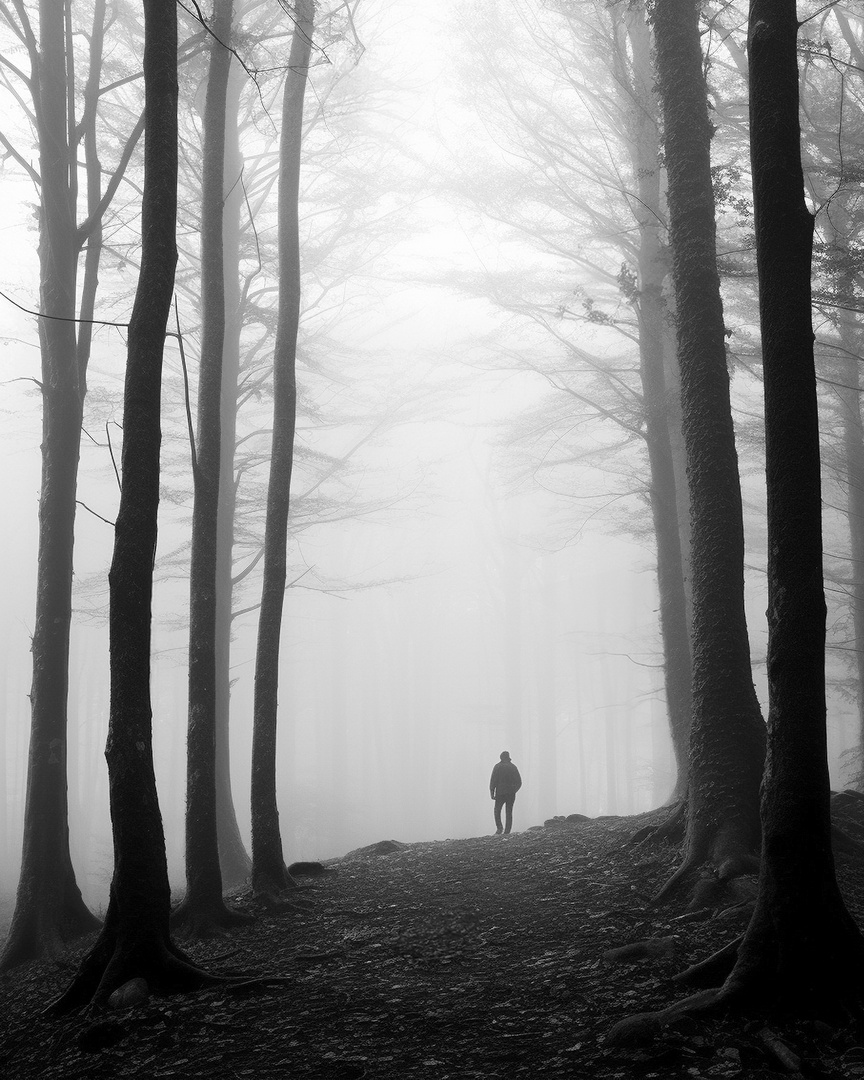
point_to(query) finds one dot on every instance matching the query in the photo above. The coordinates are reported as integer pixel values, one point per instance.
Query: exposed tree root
(713, 969)
(43, 925)
(113, 961)
(196, 919)
(641, 1028)
(844, 844)
(819, 977)
(714, 858)
(671, 830)
(270, 886)
(152, 957)
(709, 886)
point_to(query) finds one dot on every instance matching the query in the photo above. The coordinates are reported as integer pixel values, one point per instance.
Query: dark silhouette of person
(504, 784)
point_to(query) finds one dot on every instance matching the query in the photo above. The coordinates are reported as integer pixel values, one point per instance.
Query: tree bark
(135, 941)
(203, 909)
(49, 909)
(269, 874)
(853, 450)
(727, 737)
(802, 950)
(233, 857)
(848, 390)
(652, 313)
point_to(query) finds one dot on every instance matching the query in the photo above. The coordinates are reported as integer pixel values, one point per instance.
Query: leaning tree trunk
(49, 909)
(269, 874)
(203, 909)
(727, 737)
(135, 941)
(802, 951)
(652, 314)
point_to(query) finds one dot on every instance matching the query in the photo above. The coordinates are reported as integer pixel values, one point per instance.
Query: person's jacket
(505, 780)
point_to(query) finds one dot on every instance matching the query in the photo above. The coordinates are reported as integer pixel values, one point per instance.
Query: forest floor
(457, 959)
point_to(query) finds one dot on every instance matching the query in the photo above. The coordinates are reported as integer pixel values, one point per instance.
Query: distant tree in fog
(344, 232)
(659, 396)
(582, 184)
(727, 738)
(135, 941)
(830, 93)
(203, 908)
(49, 908)
(269, 873)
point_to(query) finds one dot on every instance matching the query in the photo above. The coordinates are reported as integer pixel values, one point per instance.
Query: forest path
(438, 961)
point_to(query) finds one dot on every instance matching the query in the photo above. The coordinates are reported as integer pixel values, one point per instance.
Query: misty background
(472, 559)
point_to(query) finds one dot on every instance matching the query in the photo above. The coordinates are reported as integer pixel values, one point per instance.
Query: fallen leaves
(438, 961)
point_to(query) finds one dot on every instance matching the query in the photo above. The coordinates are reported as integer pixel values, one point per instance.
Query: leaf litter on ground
(487, 957)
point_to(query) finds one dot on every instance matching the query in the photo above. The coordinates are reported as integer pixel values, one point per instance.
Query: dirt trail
(456, 959)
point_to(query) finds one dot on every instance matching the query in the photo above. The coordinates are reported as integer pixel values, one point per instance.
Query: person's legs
(499, 802)
(508, 819)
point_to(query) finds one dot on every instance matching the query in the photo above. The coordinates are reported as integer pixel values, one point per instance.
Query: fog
(450, 598)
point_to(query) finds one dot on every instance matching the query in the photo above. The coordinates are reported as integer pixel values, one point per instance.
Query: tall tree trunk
(269, 874)
(135, 941)
(203, 908)
(49, 909)
(652, 314)
(853, 446)
(233, 857)
(802, 955)
(546, 690)
(727, 737)
(802, 950)
(512, 653)
(849, 394)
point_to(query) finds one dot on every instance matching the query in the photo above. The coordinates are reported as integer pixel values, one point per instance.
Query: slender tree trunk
(546, 691)
(511, 586)
(802, 951)
(727, 736)
(203, 908)
(135, 941)
(269, 874)
(653, 313)
(49, 909)
(233, 857)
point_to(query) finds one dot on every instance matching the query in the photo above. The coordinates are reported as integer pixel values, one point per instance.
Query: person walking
(504, 784)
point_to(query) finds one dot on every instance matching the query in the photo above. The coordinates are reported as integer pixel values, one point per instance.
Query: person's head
(505, 756)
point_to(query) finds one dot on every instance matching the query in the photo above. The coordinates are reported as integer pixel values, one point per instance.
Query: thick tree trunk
(269, 874)
(203, 909)
(802, 955)
(653, 313)
(802, 951)
(135, 940)
(233, 857)
(49, 909)
(727, 736)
